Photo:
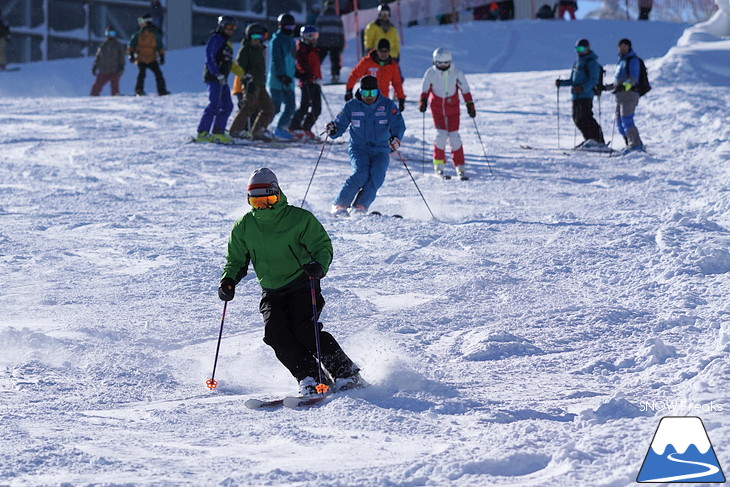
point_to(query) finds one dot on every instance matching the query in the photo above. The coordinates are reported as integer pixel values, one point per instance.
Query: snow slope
(533, 335)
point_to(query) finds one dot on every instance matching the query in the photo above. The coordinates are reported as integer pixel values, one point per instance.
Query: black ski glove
(314, 270)
(93, 71)
(471, 109)
(331, 129)
(131, 58)
(348, 95)
(162, 59)
(401, 104)
(227, 289)
(285, 80)
(423, 104)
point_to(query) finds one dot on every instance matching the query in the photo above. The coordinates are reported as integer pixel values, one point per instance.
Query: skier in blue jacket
(280, 80)
(376, 127)
(218, 64)
(583, 78)
(624, 86)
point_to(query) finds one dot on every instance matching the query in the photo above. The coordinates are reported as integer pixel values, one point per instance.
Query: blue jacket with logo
(370, 125)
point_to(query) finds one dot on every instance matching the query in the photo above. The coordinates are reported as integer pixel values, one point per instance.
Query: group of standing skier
(586, 82)
(145, 49)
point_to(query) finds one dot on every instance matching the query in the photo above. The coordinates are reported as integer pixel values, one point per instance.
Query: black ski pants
(159, 79)
(310, 107)
(290, 332)
(583, 118)
(335, 54)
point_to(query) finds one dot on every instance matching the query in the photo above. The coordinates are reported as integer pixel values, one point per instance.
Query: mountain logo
(681, 452)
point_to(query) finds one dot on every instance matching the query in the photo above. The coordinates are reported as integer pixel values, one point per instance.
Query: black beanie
(625, 41)
(369, 83)
(583, 42)
(383, 44)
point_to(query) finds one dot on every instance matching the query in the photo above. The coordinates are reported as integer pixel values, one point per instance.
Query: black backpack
(643, 87)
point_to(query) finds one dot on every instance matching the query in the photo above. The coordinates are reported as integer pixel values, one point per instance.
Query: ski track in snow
(508, 343)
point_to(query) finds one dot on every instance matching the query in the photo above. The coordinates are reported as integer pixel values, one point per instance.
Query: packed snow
(534, 333)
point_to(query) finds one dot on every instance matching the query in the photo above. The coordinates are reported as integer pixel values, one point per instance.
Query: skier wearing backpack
(290, 252)
(441, 85)
(627, 88)
(584, 77)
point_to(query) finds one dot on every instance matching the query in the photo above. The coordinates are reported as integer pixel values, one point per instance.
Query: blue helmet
(309, 33)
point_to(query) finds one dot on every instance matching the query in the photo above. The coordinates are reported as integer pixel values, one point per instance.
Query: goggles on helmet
(581, 49)
(369, 93)
(253, 37)
(261, 202)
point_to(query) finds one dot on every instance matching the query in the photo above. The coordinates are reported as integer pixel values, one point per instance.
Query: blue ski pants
(218, 110)
(289, 100)
(369, 165)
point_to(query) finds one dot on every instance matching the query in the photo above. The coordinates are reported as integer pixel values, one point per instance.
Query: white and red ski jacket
(443, 87)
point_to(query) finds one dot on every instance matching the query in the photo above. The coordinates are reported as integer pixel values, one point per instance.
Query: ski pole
(324, 144)
(423, 145)
(414, 182)
(613, 128)
(327, 104)
(482, 144)
(321, 387)
(557, 92)
(212, 383)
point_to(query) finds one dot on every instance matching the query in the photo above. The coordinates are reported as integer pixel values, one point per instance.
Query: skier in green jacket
(290, 251)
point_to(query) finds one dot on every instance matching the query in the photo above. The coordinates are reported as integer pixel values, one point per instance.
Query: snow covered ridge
(515, 342)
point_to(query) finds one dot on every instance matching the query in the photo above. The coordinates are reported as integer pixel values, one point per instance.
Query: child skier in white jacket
(441, 84)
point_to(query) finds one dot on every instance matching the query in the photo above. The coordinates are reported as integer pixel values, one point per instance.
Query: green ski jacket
(278, 241)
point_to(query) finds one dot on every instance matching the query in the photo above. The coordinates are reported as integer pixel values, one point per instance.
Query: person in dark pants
(310, 77)
(645, 9)
(145, 48)
(583, 78)
(331, 39)
(291, 252)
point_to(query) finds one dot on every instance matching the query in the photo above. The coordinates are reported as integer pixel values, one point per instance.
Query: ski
(303, 402)
(377, 213)
(239, 143)
(568, 152)
(259, 404)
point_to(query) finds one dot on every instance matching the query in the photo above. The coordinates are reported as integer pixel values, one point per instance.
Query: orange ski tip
(211, 383)
(322, 388)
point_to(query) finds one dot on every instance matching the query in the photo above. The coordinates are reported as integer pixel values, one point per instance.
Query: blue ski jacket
(585, 73)
(370, 125)
(282, 60)
(627, 69)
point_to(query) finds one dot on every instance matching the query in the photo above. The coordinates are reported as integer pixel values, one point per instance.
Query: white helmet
(442, 56)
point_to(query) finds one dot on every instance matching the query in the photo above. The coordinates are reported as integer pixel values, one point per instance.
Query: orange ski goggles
(261, 202)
